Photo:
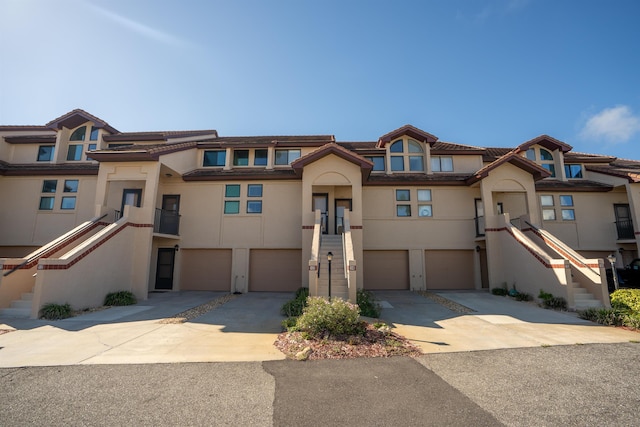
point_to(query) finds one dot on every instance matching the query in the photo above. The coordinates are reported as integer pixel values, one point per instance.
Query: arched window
(408, 155)
(78, 134)
(546, 161)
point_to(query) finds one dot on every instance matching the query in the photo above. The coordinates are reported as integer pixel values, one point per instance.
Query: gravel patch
(198, 311)
(447, 303)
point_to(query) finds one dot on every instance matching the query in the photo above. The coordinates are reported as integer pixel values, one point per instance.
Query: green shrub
(627, 299)
(120, 298)
(53, 311)
(369, 307)
(294, 307)
(335, 317)
(544, 295)
(499, 291)
(523, 296)
(549, 301)
(289, 324)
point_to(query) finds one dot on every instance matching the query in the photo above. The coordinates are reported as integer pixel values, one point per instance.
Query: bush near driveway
(624, 311)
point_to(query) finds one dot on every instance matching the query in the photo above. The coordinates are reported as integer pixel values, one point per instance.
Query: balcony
(625, 229)
(166, 222)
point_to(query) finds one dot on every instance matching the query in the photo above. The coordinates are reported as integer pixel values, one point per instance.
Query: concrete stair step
(22, 304)
(584, 304)
(21, 313)
(27, 296)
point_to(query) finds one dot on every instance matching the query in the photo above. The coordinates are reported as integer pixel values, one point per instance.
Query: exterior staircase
(583, 299)
(20, 308)
(339, 285)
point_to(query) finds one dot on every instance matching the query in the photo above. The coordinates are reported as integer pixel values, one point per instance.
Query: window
(403, 195)
(378, 163)
(232, 190)
(573, 171)
(546, 200)
(260, 158)
(68, 203)
(254, 190)
(45, 153)
(254, 206)
(442, 164)
(49, 186)
(285, 157)
(70, 185)
(567, 214)
(78, 134)
(549, 214)
(424, 210)
(94, 134)
(232, 206)
(410, 156)
(531, 154)
(46, 203)
(546, 161)
(75, 152)
(403, 210)
(92, 147)
(241, 157)
(214, 158)
(545, 155)
(550, 167)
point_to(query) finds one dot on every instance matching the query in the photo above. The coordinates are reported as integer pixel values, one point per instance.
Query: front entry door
(164, 270)
(341, 205)
(321, 201)
(624, 225)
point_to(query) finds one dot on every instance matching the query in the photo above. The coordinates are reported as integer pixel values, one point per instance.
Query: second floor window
(214, 158)
(441, 164)
(406, 155)
(285, 157)
(45, 153)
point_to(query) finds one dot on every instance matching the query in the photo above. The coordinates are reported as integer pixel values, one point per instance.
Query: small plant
(289, 324)
(499, 291)
(335, 317)
(294, 307)
(54, 311)
(523, 296)
(120, 298)
(549, 301)
(369, 307)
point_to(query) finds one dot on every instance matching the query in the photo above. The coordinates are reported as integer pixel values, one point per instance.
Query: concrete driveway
(245, 328)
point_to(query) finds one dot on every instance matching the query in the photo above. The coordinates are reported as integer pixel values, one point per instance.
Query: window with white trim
(566, 205)
(441, 164)
(285, 157)
(406, 155)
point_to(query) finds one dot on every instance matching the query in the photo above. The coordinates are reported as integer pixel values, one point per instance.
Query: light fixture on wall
(621, 250)
(478, 248)
(176, 248)
(168, 175)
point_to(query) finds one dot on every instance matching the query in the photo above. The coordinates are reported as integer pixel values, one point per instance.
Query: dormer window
(544, 159)
(378, 163)
(441, 164)
(78, 134)
(406, 155)
(240, 157)
(573, 171)
(285, 157)
(94, 134)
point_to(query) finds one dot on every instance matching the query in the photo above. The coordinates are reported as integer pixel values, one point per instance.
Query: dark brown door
(169, 216)
(623, 221)
(341, 205)
(164, 270)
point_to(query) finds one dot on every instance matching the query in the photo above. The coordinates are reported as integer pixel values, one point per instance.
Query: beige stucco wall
(21, 223)
(467, 164)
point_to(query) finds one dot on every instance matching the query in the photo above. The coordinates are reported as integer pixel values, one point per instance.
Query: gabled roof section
(333, 148)
(410, 131)
(451, 148)
(625, 169)
(547, 142)
(77, 117)
(515, 159)
(267, 141)
(138, 153)
(577, 185)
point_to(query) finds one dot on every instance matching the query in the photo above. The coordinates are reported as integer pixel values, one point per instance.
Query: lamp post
(612, 260)
(329, 258)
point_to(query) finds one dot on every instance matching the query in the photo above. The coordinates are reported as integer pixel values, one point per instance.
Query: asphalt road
(571, 386)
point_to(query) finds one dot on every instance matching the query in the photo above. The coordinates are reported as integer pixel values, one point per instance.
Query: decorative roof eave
(77, 117)
(140, 153)
(547, 142)
(574, 186)
(417, 179)
(240, 174)
(515, 159)
(23, 128)
(332, 148)
(629, 176)
(31, 139)
(410, 131)
(51, 169)
(159, 135)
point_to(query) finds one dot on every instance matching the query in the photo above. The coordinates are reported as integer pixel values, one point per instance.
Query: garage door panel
(449, 269)
(386, 270)
(275, 270)
(205, 269)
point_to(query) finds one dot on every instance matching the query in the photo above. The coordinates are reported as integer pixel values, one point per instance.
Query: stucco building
(89, 210)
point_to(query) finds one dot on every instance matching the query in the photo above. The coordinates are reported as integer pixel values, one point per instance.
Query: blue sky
(477, 72)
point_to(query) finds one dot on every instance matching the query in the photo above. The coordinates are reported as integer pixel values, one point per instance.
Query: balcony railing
(625, 229)
(166, 222)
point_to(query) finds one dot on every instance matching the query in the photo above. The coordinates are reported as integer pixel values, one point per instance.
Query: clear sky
(477, 72)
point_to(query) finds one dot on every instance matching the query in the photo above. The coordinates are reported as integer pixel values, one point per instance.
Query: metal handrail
(36, 257)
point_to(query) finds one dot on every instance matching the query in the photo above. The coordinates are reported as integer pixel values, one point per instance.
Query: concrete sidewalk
(245, 328)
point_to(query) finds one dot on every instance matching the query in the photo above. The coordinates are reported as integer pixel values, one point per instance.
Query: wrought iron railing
(166, 222)
(625, 229)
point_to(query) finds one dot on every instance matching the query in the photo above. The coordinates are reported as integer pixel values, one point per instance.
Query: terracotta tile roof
(417, 179)
(335, 149)
(494, 153)
(267, 141)
(133, 153)
(77, 117)
(410, 131)
(360, 145)
(38, 169)
(547, 142)
(576, 157)
(572, 185)
(31, 139)
(249, 174)
(156, 136)
(516, 159)
(18, 128)
(451, 148)
(625, 169)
